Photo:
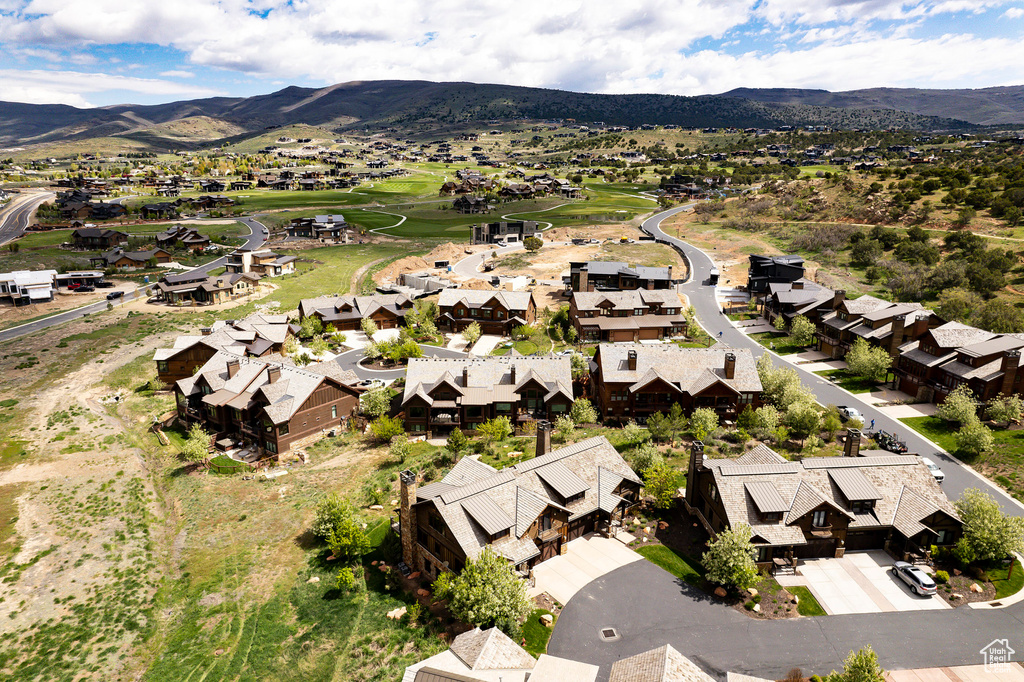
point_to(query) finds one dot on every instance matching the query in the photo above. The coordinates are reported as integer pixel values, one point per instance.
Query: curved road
(253, 240)
(15, 216)
(350, 360)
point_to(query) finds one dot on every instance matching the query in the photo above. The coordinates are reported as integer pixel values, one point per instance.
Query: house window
(271, 446)
(161, 365)
(746, 398)
(943, 538)
(502, 407)
(557, 408)
(713, 491)
(819, 519)
(416, 412)
(435, 522)
(334, 411)
(474, 412)
(762, 554)
(282, 430)
(545, 522)
(498, 315)
(417, 427)
(474, 312)
(207, 390)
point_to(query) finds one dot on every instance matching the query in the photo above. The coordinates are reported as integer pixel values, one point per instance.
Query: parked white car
(934, 468)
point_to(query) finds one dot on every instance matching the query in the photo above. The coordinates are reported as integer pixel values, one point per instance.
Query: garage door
(864, 540)
(621, 336)
(580, 527)
(649, 333)
(816, 549)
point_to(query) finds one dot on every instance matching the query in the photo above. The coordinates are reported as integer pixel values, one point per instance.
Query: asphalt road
(350, 361)
(15, 216)
(254, 240)
(649, 607)
(702, 297)
(467, 267)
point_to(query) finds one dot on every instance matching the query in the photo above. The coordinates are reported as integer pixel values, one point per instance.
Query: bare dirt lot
(11, 315)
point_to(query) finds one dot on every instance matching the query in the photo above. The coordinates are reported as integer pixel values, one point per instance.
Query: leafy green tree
(779, 323)
(348, 540)
(384, 428)
(196, 447)
(487, 593)
(803, 419)
(703, 422)
(345, 581)
(375, 402)
(368, 326)
(747, 420)
(974, 438)
(456, 443)
(661, 482)
(957, 303)
(990, 533)
(729, 560)
(1005, 408)
(319, 344)
(471, 333)
(768, 417)
(582, 412)
(644, 457)
(859, 666)
(522, 332)
(870, 362)
(633, 432)
(564, 427)
(831, 424)
(533, 243)
(959, 406)
(659, 427)
(579, 365)
(495, 430)
(801, 331)
(310, 327)
(331, 512)
(399, 448)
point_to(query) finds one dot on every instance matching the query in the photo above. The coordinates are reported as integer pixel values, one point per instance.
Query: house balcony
(821, 532)
(253, 429)
(444, 418)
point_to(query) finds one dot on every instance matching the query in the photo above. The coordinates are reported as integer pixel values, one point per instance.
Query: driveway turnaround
(860, 582)
(649, 607)
(585, 559)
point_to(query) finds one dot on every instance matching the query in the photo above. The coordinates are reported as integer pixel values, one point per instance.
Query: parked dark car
(86, 288)
(104, 285)
(920, 583)
(114, 294)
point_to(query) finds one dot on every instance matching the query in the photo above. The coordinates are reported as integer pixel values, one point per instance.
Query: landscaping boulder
(720, 592)
(752, 591)
(414, 575)
(547, 620)
(377, 507)
(757, 608)
(957, 571)
(314, 579)
(422, 592)
(796, 599)
(975, 587)
(397, 613)
(955, 597)
(662, 525)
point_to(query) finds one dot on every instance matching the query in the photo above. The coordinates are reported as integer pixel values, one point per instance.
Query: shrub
(730, 558)
(645, 456)
(384, 428)
(941, 577)
(346, 579)
(583, 412)
(399, 448)
(413, 612)
(564, 427)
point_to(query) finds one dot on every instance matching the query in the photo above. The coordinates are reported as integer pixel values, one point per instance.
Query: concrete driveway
(585, 559)
(860, 582)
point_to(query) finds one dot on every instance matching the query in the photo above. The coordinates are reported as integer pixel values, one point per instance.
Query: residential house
(97, 238)
(823, 506)
(470, 204)
(257, 335)
(513, 231)
(765, 270)
(490, 656)
(163, 209)
(28, 286)
(387, 311)
(262, 262)
(269, 407)
(119, 259)
(517, 190)
(200, 288)
(187, 237)
(799, 298)
(616, 276)
(883, 324)
(952, 354)
(443, 394)
(497, 312)
(525, 512)
(632, 316)
(633, 381)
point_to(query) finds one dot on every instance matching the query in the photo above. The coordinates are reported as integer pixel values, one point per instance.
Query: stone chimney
(583, 278)
(407, 481)
(838, 299)
(899, 324)
(512, 371)
(730, 365)
(1010, 367)
(631, 360)
(205, 331)
(233, 366)
(543, 437)
(465, 376)
(670, 272)
(273, 373)
(851, 448)
(696, 464)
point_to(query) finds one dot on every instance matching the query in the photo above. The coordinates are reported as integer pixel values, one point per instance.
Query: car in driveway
(934, 469)
(919, 582)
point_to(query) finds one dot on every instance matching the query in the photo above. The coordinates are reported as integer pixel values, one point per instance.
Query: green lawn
(778, 342)
(1004, 587)
(536, 633)
(808, 605)
(1003, 463)
(683, 567)
(851, 382)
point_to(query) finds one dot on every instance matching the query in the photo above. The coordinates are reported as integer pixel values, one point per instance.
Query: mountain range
(406, 103)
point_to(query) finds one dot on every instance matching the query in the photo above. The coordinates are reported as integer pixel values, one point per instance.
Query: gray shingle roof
(490, 649)
(690, 369)
(482, 381)
(663, 664)
(511, 300)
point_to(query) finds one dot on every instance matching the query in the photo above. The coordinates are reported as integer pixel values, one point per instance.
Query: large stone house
(633, 381)
(257, 335)
(616, 276)
(269, 407)
(496, 312)
(630, 316)
(347, 312)
(443, 394)
(526, 512)
(823, 506)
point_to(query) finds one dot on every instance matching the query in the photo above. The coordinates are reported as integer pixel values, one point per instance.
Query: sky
(89, 53)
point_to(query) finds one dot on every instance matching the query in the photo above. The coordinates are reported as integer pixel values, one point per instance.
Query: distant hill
(984, 106)
(423, 102)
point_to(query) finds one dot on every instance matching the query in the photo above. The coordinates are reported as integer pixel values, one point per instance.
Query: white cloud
(1014, 13)
(177, 74)
(72, 87)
